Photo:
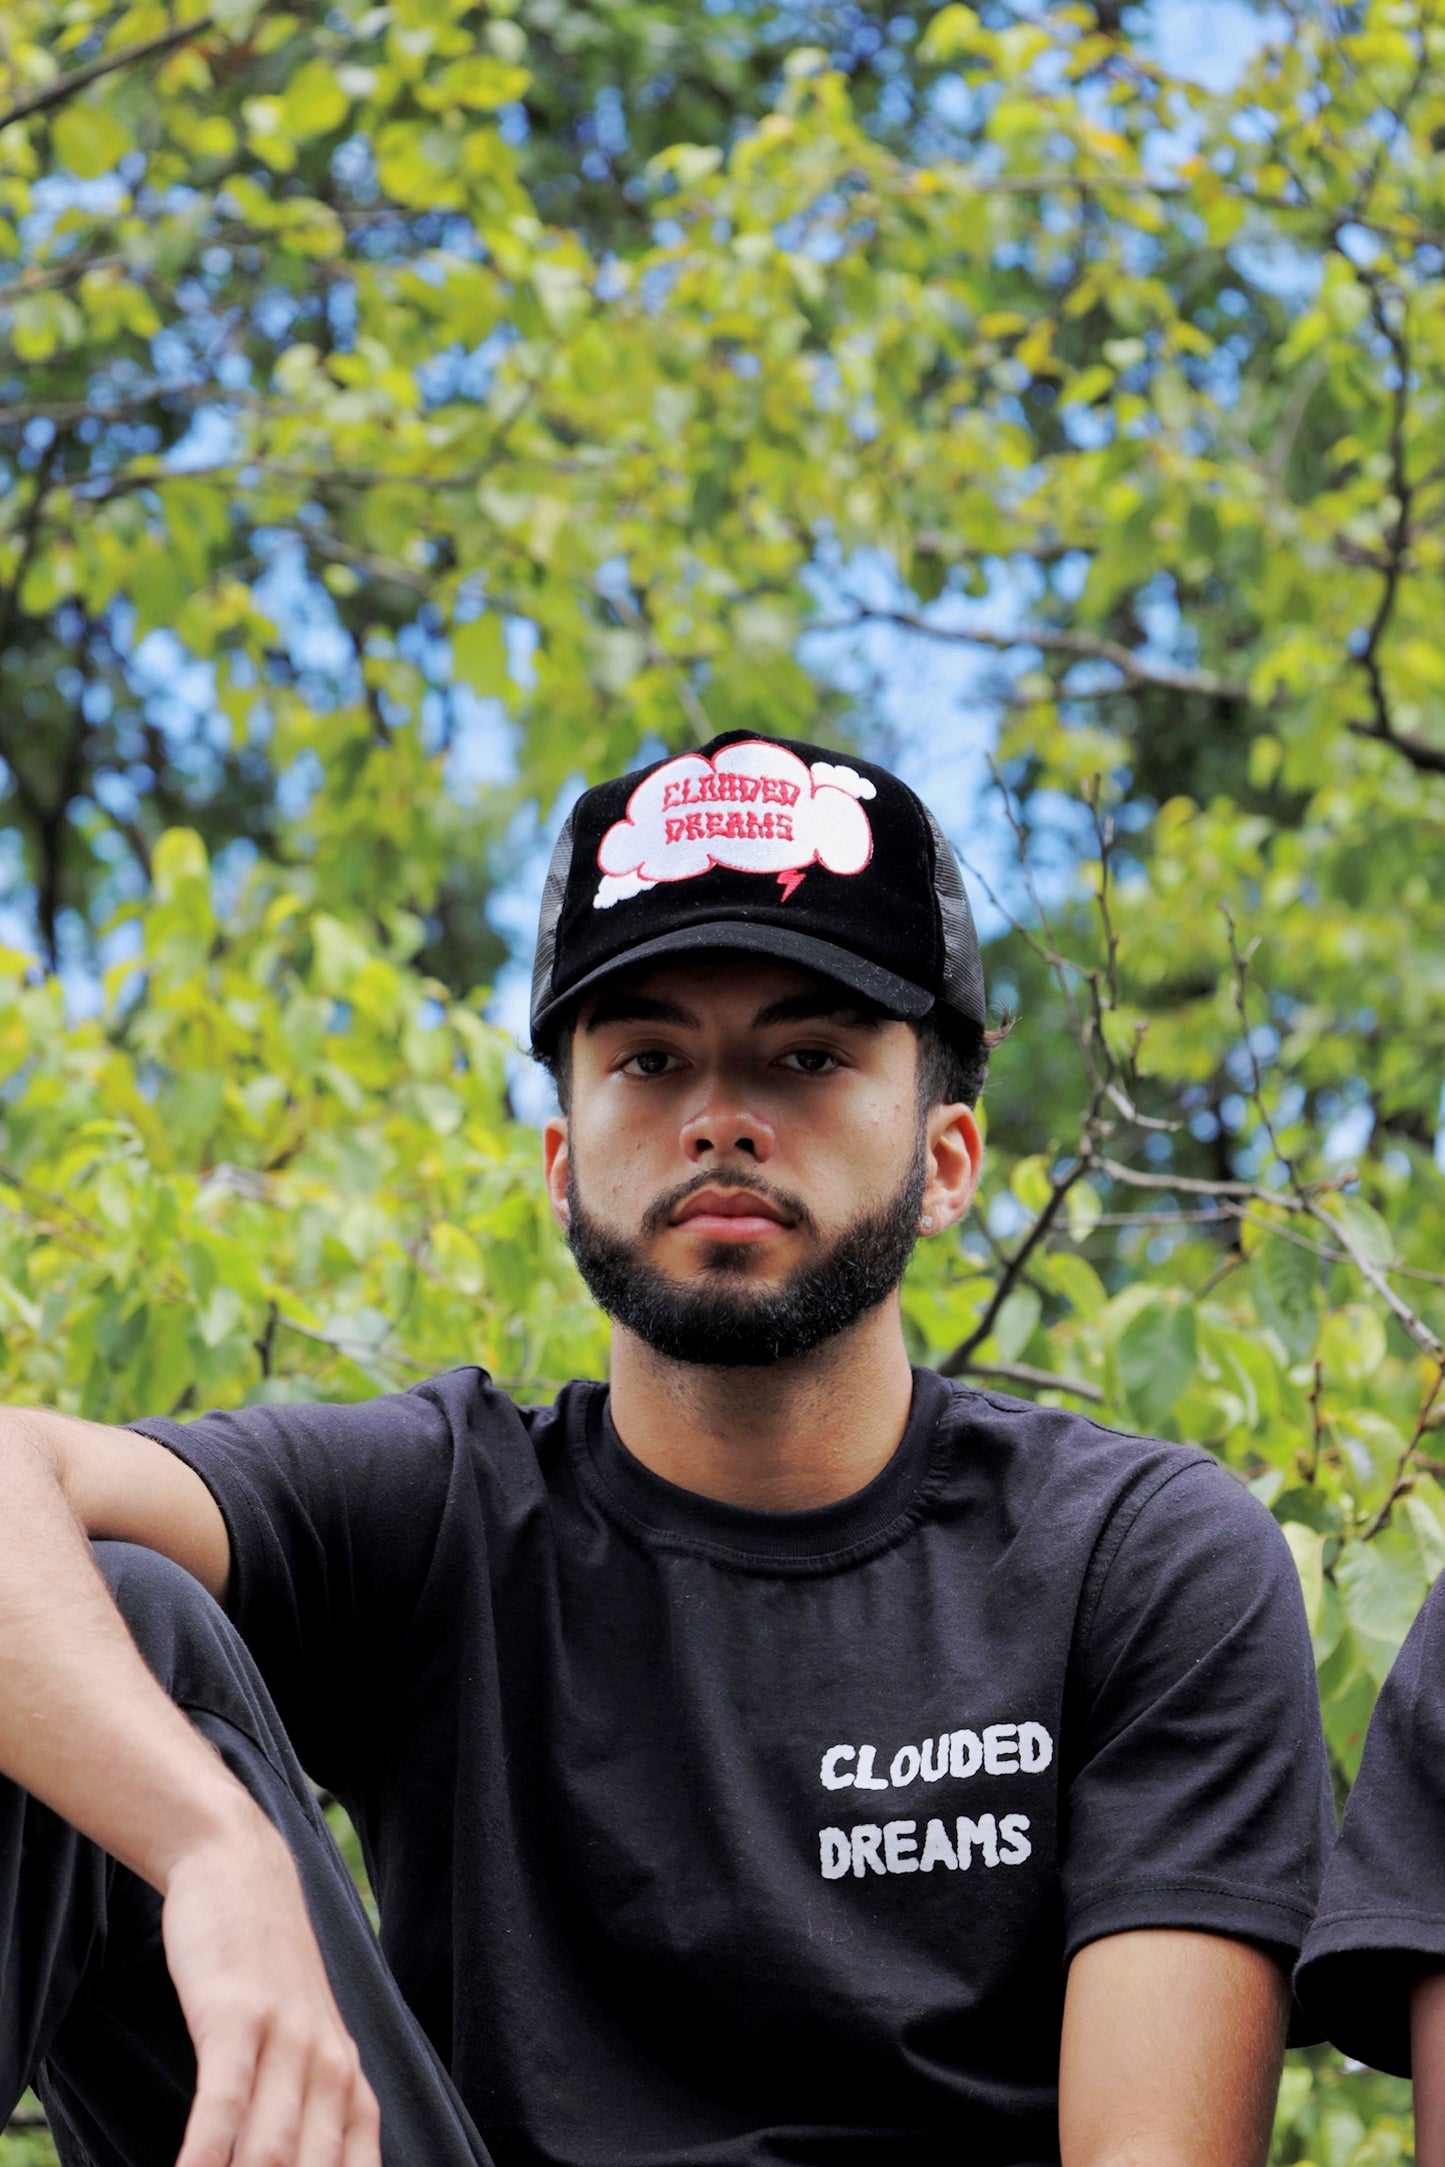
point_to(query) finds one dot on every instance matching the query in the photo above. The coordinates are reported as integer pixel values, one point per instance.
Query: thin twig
(66, 86)
(1308, 1196)
(1135, 1178)
(692, 706)
(1025, 1373)
(1311, 1467)
(1240, 959)
(1060, 965)
(1381, 723)
(1414, 1326)
(1136, 669)
(957, 1362)
(29, 542)
(355, 1350)
(66, 412)
(1234, 1262)
(1402, 1478)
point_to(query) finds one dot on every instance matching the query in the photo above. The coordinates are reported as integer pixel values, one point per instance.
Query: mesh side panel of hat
(553, 896)
(963, 987)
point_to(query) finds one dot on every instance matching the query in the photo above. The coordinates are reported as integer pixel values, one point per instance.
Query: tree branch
(1414, 1326)
(1308, 1194)
(63, 274)
(691, 705)
(1402, 1479)
(1136, 670)
(1045, 1379)
(1424, 757)
(1008, 1278)
(65, 413)
(29, 542)
(66, 86)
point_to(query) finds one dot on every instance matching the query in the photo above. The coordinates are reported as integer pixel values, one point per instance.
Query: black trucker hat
(769, 846)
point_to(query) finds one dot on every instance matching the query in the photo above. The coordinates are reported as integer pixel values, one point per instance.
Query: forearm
(83, 1724)
(1171, 2052)
(86, 1728)
(1427, 2059)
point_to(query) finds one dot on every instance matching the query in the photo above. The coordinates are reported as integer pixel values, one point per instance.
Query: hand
(278, 2080)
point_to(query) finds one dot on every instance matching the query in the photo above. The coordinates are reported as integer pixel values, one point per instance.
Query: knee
(144, 1584)
(199, 1659)
(182, 1633)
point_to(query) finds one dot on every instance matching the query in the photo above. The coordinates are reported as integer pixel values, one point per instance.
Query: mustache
(659, 1213)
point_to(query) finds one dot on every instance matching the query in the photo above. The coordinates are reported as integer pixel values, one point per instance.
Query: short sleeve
(1197, 1783)
(1381, 1920)
(333, 1514)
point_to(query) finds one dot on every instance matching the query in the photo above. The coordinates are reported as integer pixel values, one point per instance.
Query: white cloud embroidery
(756, 808)
(844, 778)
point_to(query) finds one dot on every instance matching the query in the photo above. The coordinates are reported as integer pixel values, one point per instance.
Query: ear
(555, 1162)
(955, 1160)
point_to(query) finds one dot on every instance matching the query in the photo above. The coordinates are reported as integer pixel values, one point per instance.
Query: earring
(926, 1221)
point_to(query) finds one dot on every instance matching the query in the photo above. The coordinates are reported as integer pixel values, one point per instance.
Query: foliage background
(411, 411)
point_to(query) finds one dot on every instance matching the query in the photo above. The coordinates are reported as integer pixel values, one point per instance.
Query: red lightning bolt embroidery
(788, 882)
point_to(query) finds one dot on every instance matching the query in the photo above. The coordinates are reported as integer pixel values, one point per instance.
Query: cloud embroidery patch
(755, 808)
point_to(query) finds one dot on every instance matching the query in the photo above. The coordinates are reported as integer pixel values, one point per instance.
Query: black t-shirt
(715, 1836)
(1381, 1920)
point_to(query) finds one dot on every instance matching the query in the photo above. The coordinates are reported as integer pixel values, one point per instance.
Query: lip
(730, 1215)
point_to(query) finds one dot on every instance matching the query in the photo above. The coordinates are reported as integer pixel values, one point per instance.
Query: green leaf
(1031, 1184)
(480, 83)
(89, 139)
(1307, 1548)
(220, 1316)
(1083, 1207)
(1076, 1280)
(479, 656)
(1368, 1233)
(953, 30)
(1348, 1686)
(1423, 1513)
(40, 323)
(1382, 1585)
(1351, 1344)
(1156, 1357)
(1016, 1323)
(314, 102)
(1286, 1279)
(179, 859)
(1375, 1443)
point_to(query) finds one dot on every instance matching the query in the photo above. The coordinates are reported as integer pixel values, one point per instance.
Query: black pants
(88, 2014)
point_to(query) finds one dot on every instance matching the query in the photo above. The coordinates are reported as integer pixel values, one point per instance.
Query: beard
(720, 1320)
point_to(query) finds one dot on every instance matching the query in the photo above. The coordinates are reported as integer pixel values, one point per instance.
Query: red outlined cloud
(755, 808)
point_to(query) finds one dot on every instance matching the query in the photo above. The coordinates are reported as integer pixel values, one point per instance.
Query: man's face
(744, 1165)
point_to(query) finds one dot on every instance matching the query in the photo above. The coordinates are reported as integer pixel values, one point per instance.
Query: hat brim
(895, 995)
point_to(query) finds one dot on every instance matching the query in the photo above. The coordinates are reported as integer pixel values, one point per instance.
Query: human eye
(811, 1061)
(650, 1061)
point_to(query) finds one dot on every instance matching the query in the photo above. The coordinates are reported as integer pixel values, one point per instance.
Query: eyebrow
(814, 1007)
(794, 1008)
(640, 1008)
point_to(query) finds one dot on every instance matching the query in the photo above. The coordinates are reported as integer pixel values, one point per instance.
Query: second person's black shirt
(1381, 1921)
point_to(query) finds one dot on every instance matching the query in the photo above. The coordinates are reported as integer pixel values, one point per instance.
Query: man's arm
(85, 1728)
(1171, 2052)
(1427, 2060)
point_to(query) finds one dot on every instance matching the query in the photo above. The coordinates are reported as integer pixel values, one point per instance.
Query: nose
(719, 1130)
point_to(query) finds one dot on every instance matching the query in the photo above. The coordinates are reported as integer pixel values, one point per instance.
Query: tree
(1130, 391)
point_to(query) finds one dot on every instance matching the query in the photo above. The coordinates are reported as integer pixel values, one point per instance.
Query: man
(1372, 1974)
(778, 1755)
